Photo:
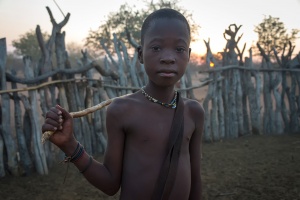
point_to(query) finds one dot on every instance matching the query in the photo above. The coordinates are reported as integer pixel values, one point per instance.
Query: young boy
(141, 156)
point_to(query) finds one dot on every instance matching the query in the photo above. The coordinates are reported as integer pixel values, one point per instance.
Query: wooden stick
(249, 69)
(47, 84)
(46, 135)
(89, 79)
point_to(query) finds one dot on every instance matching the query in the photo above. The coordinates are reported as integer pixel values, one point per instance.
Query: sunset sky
(214, 16)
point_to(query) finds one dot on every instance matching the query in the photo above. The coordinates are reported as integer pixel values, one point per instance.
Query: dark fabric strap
(168, 170)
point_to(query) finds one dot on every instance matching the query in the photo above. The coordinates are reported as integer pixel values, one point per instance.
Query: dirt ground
(247, 168)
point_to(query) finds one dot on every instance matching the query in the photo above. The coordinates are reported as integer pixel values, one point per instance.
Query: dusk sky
(213, 16)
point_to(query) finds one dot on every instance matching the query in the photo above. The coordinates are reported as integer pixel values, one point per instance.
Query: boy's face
(165, 52)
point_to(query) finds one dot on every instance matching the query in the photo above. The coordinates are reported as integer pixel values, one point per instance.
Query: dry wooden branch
(37, 79)
(130, 39)
(249, 69)
(276, 56)
(46, 84)
(202, 84)
(108, 53)
(40, 40)
(263, 53)
(46, 135)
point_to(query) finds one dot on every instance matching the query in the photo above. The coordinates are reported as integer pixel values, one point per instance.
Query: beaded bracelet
(77, 147)
(88, 165)
(79, 151)
(76, 155)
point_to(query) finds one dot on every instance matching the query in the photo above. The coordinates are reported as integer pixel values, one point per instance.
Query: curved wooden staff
(47, 134)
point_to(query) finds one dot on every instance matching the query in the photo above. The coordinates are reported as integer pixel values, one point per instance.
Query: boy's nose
(167, 60)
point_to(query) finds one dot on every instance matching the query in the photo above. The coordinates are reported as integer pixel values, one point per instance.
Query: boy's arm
(106, 176)
(195, 151)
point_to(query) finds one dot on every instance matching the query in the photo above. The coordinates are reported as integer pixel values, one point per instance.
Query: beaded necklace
(172, 104)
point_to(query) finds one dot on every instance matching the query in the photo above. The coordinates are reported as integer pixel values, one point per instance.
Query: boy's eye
(180, 49)
(155, 48)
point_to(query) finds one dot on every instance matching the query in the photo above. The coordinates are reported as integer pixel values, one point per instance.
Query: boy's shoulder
(193, 106)
(123, 103)
(192, 103)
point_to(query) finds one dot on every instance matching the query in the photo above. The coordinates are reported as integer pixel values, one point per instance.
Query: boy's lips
(167, 73)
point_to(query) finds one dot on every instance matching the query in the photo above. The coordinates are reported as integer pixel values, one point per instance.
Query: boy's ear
(140, 54)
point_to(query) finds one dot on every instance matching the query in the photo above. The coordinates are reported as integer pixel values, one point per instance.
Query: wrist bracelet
(78, 144)
(76, 155)
(88, 165)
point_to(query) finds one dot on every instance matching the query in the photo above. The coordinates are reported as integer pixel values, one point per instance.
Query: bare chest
(152, 127)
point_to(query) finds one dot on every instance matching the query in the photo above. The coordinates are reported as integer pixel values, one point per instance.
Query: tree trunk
(294, 124)
(25, 158)
(121, 72)
(27, 129)
(143, 74)
(110, 92)
(103, 117)
(284, 112)
(221, 117)
(245, 103)
(214, 111)
(101, 141)
(5, 107)
(89, 118)
(189, 83)
(239, 103)
(60, 60)
(2, 169)
(183, 86)
(40, 157)
(253, 93)
(225, 95)
(233, 122)
(268, 105)
(130, 65)
(86, 133)
(71, 94)
(278, 122)
(207, 118)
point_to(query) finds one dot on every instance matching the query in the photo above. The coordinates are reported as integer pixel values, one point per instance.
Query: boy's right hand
(60, 122)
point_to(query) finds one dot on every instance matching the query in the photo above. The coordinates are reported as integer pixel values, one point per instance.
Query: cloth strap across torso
(168, 170)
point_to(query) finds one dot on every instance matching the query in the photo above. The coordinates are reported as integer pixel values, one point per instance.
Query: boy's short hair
(160, 14)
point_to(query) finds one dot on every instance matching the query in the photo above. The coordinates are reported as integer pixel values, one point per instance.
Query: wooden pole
(120, 65)
(214, 111)
(25, 158)
(252, 89)
(5, 107)
(40, 158)
(2, 169)
(100, 140)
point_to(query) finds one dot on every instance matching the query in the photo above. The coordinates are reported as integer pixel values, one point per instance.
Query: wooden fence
(234, 104)
(251, 100)
(74, 89)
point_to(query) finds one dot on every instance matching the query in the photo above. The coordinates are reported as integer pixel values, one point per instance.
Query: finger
(52, 122)
(66, 115)
(55, 110)
(48, 127)
(53, 114)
